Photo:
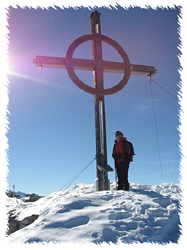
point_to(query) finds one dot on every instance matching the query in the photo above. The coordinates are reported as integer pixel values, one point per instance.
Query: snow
(143, 214)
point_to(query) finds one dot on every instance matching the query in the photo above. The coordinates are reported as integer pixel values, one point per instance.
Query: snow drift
(143, 214)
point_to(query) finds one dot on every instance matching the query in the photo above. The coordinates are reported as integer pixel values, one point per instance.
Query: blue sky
(51, 121)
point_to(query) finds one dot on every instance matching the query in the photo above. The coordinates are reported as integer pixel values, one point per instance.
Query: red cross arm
(86, 64)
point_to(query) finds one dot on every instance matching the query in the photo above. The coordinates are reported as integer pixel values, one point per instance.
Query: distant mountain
(25, 197)
(18, 194)
(21, 194)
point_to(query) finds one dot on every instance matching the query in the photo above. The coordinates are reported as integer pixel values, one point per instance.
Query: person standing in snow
(121, 154)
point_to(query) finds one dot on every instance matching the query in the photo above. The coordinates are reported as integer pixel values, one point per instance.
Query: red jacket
(121, 150)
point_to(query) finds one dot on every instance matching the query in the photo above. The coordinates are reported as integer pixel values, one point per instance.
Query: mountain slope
(143, 214)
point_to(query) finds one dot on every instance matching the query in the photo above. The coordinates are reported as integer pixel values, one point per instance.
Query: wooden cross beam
(86, 64)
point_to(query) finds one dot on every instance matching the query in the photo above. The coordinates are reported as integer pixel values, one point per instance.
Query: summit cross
(98, 66)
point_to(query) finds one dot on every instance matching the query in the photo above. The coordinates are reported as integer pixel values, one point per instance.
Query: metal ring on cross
(82, 85)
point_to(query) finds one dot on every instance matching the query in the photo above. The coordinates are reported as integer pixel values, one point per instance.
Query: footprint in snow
(76, 205)
(73, 222)
(119, 216)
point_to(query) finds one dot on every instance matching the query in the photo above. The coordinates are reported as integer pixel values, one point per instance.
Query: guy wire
(156, 129)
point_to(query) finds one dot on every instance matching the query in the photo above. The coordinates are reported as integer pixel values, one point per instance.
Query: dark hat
(118, 133)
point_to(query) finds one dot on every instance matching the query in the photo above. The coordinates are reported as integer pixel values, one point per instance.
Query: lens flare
(12, 73)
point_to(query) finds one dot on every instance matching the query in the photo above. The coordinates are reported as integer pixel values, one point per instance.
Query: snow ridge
(143, 214)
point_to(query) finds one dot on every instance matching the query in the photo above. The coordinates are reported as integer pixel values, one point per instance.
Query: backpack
(132, 153)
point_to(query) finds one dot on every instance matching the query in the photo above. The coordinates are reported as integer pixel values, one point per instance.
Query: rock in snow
(143, 214)
(15, 225)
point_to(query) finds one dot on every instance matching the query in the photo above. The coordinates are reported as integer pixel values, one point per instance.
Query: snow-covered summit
(143, 214)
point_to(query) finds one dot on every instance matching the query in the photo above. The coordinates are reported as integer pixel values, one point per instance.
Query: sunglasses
(118, 135)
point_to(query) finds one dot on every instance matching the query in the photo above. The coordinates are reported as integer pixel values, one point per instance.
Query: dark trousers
(122, 169)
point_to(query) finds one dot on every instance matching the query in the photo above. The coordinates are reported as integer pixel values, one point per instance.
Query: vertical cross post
(100, 123)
